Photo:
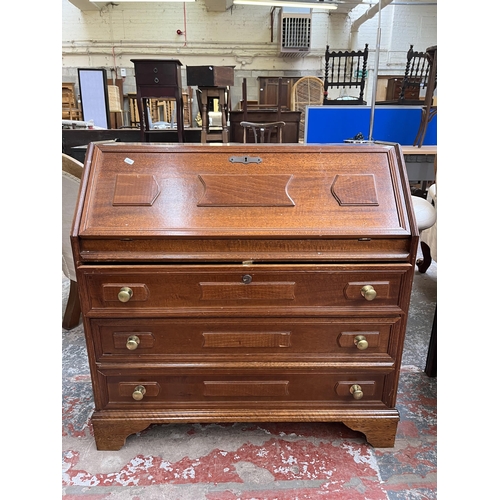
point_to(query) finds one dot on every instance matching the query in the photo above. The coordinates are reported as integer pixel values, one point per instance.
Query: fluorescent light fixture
(319, 4)
(152, 1)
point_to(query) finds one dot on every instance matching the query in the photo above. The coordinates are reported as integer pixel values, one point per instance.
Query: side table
(222, 94)
(158, 78)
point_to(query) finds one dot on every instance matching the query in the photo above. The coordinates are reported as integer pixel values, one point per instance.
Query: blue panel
(334, 124)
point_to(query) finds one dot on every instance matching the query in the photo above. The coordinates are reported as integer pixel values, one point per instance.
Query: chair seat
(425, 213)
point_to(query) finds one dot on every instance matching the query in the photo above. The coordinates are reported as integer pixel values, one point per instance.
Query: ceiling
(344, 6)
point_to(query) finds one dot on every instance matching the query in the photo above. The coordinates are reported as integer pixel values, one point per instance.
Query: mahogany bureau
(244, 283)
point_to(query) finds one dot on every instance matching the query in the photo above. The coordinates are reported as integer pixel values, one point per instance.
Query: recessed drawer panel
(136, 390)
(236, 289)
(243, 339)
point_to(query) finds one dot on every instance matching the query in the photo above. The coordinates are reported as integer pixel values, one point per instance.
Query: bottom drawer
(259, 389)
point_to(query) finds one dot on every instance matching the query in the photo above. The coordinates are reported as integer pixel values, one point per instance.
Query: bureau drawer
(263, 290)
(258, 387)
(211, 340)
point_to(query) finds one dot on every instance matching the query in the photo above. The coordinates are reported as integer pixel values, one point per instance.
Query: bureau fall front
(244, 283)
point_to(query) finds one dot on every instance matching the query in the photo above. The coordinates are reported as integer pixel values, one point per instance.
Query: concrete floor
(245, 461)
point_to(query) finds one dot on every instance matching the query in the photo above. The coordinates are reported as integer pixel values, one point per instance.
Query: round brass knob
(133, 342)
(356, 391)
(139, 392)
(360, 342)
(368, 292)
(125, 294)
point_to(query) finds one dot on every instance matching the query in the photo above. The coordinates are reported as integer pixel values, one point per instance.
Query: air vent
(295, 39)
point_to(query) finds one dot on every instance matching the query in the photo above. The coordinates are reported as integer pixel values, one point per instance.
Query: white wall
(240, 37)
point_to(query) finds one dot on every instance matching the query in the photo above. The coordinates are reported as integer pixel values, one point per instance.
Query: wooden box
(244, 283)
(210, 76)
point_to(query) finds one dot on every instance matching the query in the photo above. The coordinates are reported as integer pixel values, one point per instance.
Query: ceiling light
(320, 4)
(152, 1)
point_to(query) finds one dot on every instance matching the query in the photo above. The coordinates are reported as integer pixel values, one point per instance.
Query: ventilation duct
(295, 32)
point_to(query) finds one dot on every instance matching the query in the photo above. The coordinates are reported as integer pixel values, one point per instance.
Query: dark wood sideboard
(244, 283)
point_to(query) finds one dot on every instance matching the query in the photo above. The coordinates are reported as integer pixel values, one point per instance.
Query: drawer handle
(356, 391)
(133, 342)
(246, 279)
(360, 342)
(125, 294)
(368, 292)
(139, 392)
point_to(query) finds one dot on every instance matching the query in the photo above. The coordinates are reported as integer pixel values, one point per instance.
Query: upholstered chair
(71, 175)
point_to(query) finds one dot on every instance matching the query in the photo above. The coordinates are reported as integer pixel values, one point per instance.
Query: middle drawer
(164, 340)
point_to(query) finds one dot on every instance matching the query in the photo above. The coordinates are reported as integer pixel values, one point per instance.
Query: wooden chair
(263, 131)
(417, 76)
(429, 109)
(70, 107)
(71, 175)
(345, 70)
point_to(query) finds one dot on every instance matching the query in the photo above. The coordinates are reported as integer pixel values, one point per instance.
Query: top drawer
(156, 73)
(237, 289)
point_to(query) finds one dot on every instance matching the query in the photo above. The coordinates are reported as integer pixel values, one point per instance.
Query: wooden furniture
(213, 84)
(221, 96)
(115, 100)
(345, 70)
(416, 78)
(271, 86)
(395, 87)
(70, 108)
(263, 132)
(133, 109)
(290, 130)
(307, 91)
(290, 133)
(71, 176)
(158, 78)
(429, 109)
(244, 283)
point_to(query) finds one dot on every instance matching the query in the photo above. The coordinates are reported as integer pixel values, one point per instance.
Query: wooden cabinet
(394, 86)
(268, 91)
(229, 283)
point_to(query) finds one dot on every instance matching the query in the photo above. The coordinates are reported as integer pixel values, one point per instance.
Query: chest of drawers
(230, 283)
